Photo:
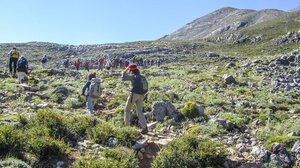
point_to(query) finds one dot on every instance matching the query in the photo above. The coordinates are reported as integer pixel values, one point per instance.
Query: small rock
(229, 79)
(60, 164)
(276, 147)
(43, 105)
(152, 125)
(230, 65)
(296, 147)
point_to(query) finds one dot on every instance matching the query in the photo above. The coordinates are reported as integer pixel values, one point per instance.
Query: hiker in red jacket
(87, 64)
(101, 62)
(77, 63)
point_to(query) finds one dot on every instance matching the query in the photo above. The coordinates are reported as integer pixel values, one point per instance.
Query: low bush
(12, 163)
(81, 124)
(113, 158)
(101, 133)
(104, 130)
(125, 135)
(190, 110)
(11, 140)
(44, 147)
(234, 118)
(189, 151)
(55, 122)
(285, 140)
(124, 156)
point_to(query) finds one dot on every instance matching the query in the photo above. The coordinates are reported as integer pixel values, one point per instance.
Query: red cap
(132, 67)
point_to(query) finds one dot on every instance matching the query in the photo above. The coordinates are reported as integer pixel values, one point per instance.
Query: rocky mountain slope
(211, 103)
(223, 20)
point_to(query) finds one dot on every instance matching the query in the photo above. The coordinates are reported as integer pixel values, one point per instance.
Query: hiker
(101, 62)
(44, 60)
(77, 64)
(87, 65)
(139, 89)
(22, 68)
(66, 63)
(126, 64)
(14, 56)
(92, 91)
(108, 65)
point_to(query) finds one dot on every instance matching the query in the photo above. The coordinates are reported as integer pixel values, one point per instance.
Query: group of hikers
(18, 66)
(112, 63)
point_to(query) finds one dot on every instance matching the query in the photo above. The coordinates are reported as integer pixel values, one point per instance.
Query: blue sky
(109, 21)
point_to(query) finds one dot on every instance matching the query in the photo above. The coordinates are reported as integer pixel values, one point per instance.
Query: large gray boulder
(162, 109)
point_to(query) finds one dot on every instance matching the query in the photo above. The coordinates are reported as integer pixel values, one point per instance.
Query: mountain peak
(295, 9)
(222, 20)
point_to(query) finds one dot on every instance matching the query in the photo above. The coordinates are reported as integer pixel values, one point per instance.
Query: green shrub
(124, 156)
(194, 130)
(119, 110)
(285, 140)
(234, 118)
(80, 124)
(11, 140)
(74, 103)
(95, 163)
(125, 135)
(44, 147)
(13, 163)
(101, 133)
(189, 151)
(55, 122)
(190, 110)
(273, 129)
(113, 158)
(104, 130)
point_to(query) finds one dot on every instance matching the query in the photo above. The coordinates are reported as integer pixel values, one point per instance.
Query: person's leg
(22, 76)
(15, 60)
(139, 111)
(90, 105)
(19, 77)
(128, 109)
(10, 64)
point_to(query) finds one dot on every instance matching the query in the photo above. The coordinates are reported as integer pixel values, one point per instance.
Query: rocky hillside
(211, 103)
(221, 21)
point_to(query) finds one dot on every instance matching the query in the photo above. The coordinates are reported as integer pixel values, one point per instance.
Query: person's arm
(125, 76)
(86, 86)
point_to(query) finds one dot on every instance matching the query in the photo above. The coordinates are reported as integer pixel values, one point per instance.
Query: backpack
(44, 60)
(21, 64)
(140, 85)
(95, 89)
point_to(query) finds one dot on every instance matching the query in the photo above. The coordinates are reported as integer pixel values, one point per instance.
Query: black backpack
(21, 64)
(140, 85)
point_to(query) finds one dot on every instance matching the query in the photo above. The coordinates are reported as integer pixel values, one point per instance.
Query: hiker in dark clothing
(136, 97)
(14, 56)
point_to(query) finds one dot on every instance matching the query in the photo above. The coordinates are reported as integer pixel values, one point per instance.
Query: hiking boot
(144, 131)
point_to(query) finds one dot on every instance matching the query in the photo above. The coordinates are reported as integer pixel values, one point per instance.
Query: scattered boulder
(54, 72)
(260, 153)
(230, 65)
(61, 90)
(14, 96)
(296, 147)
(229, 79)
(162, 109)
(212, 54)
